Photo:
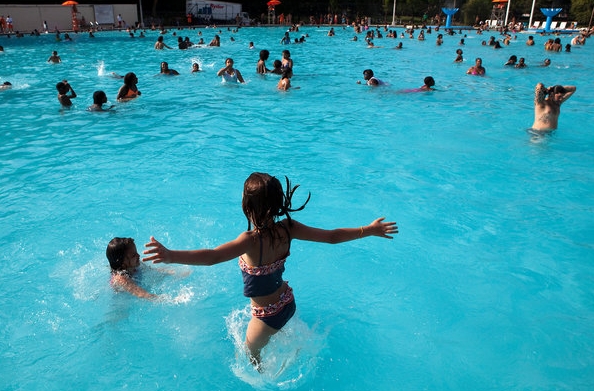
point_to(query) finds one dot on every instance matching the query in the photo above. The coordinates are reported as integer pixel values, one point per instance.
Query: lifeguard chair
(498, 13)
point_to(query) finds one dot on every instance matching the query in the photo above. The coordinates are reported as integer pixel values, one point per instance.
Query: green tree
(474, 8)
(581, 11)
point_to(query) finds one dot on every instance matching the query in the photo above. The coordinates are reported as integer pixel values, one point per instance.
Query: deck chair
(553, 25)
(562, 26)
(535, 25)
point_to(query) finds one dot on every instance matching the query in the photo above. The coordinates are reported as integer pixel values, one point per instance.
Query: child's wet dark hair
(116, 252)
(264, 200)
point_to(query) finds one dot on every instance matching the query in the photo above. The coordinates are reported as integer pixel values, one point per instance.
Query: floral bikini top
(263, 280)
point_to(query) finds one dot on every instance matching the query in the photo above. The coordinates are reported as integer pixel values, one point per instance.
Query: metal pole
(531, 14)
(507, 12)
(394, 14)
(141, 17)
(591, 16)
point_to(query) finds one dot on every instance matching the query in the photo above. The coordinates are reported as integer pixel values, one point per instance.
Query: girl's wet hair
(129, 78)
(264, 201)
(116, 252)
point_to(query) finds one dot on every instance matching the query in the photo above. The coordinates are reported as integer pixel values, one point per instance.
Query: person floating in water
(548, 108)
(263, 250)
(429, 83)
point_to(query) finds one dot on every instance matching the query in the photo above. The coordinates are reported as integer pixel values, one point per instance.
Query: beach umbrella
(74, 12)
(272, 3)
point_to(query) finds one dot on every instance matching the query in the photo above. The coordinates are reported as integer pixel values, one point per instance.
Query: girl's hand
(380, 228)
(160, 252)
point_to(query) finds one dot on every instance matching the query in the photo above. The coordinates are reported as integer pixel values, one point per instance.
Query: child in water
(263, 251)
(124, 259)
(99, 99)
(63, 93)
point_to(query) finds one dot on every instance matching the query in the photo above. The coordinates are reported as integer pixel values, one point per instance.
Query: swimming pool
(488, 285)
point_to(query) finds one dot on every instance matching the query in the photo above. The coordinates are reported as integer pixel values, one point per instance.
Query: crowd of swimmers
(260, 190)
(284, 66)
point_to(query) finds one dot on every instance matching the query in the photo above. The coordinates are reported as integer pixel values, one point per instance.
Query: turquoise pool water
(488, 285)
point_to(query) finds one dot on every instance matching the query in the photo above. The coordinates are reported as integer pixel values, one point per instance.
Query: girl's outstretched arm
(204, 257)
(377, 228)
(126, 283)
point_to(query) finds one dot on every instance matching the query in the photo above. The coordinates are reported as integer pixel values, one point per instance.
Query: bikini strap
(288, 236)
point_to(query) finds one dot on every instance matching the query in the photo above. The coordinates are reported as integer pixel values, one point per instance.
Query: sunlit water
(488, 285)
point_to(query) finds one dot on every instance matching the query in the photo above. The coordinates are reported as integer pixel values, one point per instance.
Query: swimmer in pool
(263, 250)
(371, 79)
(160, 45)
(429, 83)
(165, 70)
(195, 67)
(548, 108)
(63, 97)
(530, 41)
(54, 58)
(521, 63)
(129, 90)
(277, 70)
(477, 68)
(124, 260)
(287, 63)
(230, 74)
(99, 99)
(216, 41)
(546, 62)
(284, 83)
(5, 86)
(261, 65)
(459, 57)
(512, 60)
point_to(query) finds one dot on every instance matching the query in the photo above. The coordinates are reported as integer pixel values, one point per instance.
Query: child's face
(132, 259)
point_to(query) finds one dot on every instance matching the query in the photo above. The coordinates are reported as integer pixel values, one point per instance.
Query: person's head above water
(429, 81)
(264, 200)
(130, 78)
(99, 97)
(264, 54)
(121, 254)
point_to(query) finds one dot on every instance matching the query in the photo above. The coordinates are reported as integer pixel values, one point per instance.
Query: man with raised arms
(548, 108)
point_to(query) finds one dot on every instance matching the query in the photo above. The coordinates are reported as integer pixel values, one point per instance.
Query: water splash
(100, 68)
(289, 359)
